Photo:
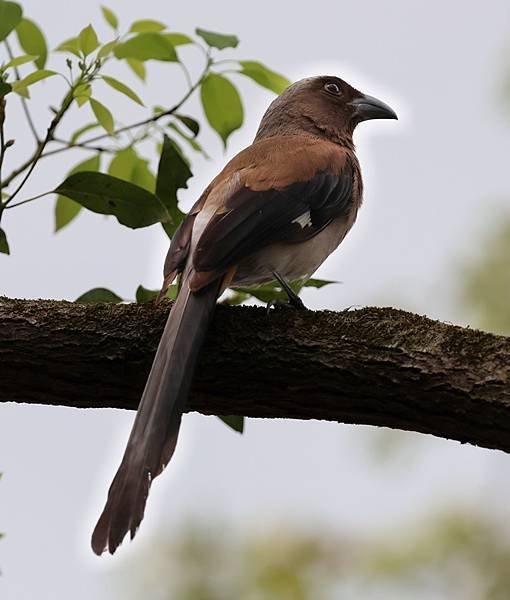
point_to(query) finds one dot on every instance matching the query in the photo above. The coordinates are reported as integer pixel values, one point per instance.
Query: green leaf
(236, 423)
(4, 244)
(5, 88)
(87, 40)
(172, 291)
(22, 91)
(20, 87)
(178, 39)
(217, 40)
(137, 67)
(132, 205)
(110, 17)
(191, 140)
(20, 60)
(273, 290)
(264, 293)
(103, 115)
(83, 93)
(173, 174)
(79, 132)
(235, 298)
(222, 105)
(127, 165)
(71, 45)
(147, 46)
(319, 283)
(269, 291)
(99, 295)
(66, 209)
(143, 176)
(10, 16)
(144, 295)
(123, 163)
(122, 88)
(33, 78)
(146, 26)
(263, 76)
(32, 40)
(107, 49)
(81, 100)
(188, 122)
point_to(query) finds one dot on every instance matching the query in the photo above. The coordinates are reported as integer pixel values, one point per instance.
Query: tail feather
(156, 427)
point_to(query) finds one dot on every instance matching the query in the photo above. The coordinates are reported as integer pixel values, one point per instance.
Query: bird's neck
(283, 123)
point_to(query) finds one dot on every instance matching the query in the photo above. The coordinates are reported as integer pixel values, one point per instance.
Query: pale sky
(433, 181)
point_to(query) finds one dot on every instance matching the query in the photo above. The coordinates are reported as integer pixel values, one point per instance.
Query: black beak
(368, 107)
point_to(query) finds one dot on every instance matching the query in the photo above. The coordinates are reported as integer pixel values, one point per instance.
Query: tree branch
(2, 142)
(372, 366)
(66, 103)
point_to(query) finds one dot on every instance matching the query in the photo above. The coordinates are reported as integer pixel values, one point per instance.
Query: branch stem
(157, 117)
(24, 102)
(7, 207)
(375, 366)
(68, 145)
(2, 140)
(66, 103)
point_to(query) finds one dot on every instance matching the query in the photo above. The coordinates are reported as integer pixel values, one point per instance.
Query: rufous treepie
(276, 211)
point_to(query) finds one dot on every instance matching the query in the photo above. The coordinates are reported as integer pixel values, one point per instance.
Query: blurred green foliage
(454, 556)
(486, 289)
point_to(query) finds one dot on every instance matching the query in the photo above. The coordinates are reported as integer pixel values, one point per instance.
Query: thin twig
(23, 167)
(66, 146)
(2, 139)
(7, 207)
(87, 75)
(225, 61)
(24, 102)
(186, 74)
(40, 149)
(154, 118)
(84, 145)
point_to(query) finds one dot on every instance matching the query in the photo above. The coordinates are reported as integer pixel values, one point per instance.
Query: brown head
(325, 106)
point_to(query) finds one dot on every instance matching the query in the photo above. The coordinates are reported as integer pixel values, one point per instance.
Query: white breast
(292, 261)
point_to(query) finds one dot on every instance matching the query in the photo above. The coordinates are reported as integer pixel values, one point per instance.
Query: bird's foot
(284, 305)
(294, 301)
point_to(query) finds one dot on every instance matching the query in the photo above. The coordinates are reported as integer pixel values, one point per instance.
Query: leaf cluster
(117, 179)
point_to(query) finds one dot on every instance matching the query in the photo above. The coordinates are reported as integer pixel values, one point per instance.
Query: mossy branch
(377, 366)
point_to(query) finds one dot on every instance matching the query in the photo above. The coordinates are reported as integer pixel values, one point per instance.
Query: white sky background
(433, 180)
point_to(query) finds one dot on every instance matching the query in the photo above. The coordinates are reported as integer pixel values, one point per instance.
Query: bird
(276, 211)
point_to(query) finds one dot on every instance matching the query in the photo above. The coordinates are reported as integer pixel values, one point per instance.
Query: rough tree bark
(371, 366)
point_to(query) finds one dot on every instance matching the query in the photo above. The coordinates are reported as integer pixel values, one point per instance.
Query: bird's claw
(294, 300)
(284, 304)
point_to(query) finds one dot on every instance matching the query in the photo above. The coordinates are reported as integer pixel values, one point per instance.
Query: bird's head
(325, 105)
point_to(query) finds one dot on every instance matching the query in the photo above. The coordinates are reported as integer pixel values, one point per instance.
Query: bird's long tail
(156, 427)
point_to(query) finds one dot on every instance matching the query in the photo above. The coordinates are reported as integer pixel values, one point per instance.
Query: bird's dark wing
(180, 245)
(253, 219)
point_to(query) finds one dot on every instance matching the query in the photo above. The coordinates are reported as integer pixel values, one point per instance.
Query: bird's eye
(332, 88)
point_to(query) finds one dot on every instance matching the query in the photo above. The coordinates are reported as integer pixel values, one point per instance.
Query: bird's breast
(293, 261)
